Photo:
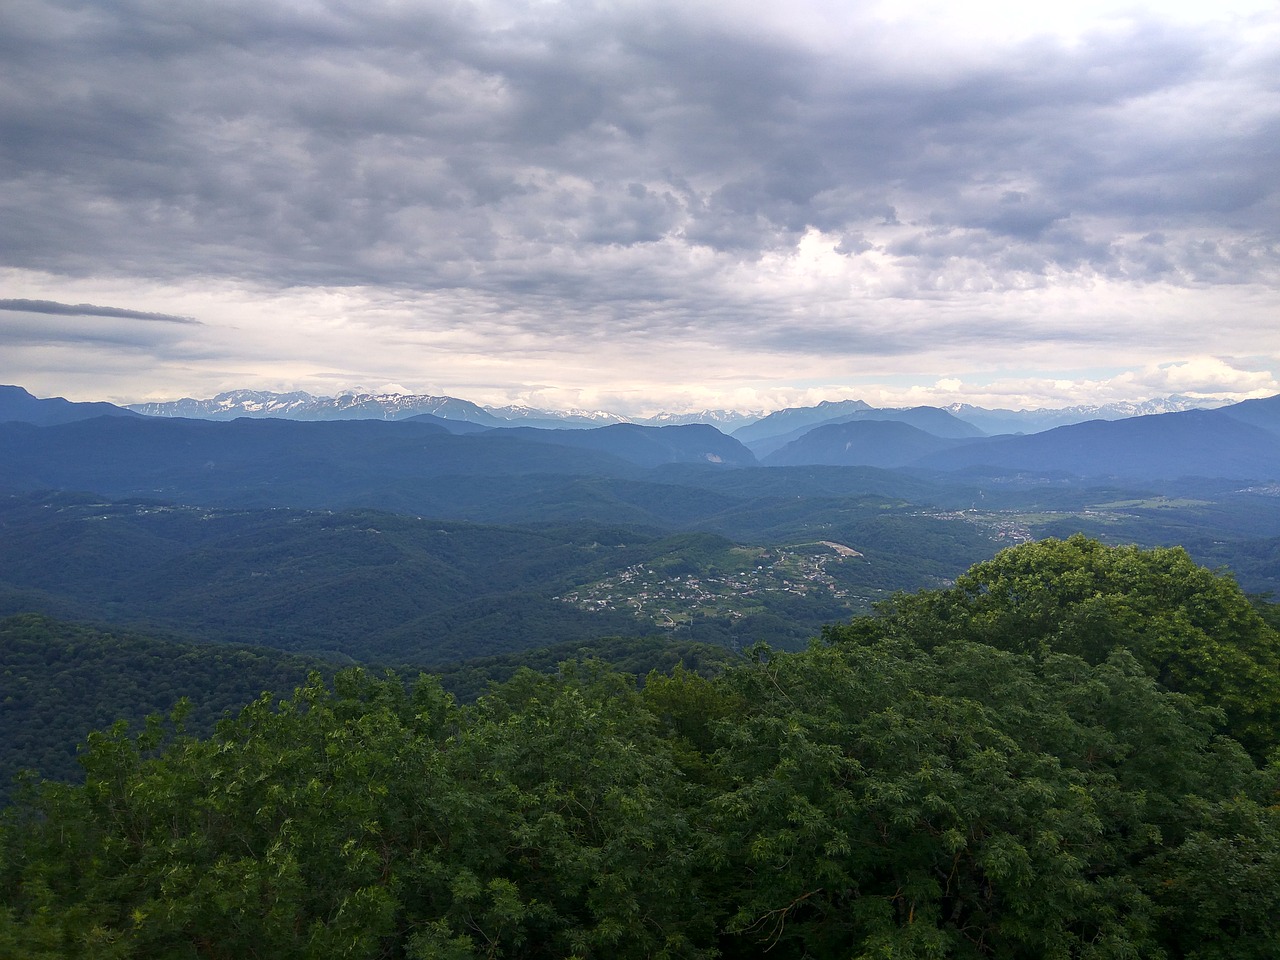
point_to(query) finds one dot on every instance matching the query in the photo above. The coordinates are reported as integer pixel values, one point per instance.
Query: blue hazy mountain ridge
(299, 405)
(1002, 421)
(458, 427)
(17, 405)
(326, 463)
(149, 456)
(646, 446)
(1192, 443)
(999, 422)
(932, 420)
(1264, 413)
(794, 418)
(860, 443)
(266, 460)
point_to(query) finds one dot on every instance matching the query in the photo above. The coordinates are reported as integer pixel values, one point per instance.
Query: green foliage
(638, 656)
(548, 821)
(1192, 629)
(942, 782)
(62, 680)
(968, 801)
(378, 587)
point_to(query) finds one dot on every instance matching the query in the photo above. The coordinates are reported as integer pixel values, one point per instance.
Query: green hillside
(63, 680)
(376, 586)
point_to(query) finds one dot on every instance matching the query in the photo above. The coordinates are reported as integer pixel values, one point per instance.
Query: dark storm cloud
(89, 310)
(590, 155)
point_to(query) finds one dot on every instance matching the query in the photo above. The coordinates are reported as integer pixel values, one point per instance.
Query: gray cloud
(568, 164)
(89, 310)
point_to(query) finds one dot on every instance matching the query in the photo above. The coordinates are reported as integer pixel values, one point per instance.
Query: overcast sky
(641, 205)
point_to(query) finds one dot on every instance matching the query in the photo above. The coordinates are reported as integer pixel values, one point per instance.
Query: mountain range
(392, 406)
(385, 439)
(257, 529)
(747, 426)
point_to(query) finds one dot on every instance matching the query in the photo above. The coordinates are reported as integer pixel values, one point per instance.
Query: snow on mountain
(521, 414)
(303, 406)
(1000, 421)
(299, 405)
(723, 420)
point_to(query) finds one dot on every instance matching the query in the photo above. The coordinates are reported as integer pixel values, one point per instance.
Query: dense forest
(63, 680)
(1072, 752)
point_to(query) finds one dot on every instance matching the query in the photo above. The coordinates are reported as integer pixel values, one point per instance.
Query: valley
(739, 582)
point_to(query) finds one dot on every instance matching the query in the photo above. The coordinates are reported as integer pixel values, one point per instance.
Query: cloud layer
(562, 196)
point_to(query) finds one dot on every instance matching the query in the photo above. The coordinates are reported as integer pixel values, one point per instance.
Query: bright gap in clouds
(1015, 19)
(932, 26)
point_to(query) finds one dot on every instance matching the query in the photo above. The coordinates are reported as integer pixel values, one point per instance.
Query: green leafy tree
(1004, 769)
(1193, 629)
(367, 821)
(889, 801)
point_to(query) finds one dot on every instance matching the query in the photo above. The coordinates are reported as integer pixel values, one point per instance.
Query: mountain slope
(362, 583)
(645, 445)
(860, 443)
(726, 421)
(1264, 413)
(793, 418)
(932, 420)
(1206, 443)
(17, 405)
(68, 679)
(269, 462)
(1038, 420)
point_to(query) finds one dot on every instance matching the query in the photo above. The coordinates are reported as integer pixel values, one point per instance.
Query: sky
(641, 206)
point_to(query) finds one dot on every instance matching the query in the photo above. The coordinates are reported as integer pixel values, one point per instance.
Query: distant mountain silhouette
(793, 418)
(1263, 413)
(1039, 419)
(269, 461)
(726, 421)
(1203, 443)
(932, 420)
(322, 463)
(17, 405)
(860, 443)
(774, 431)
(459, 427)
(647, 446)
(262, 404)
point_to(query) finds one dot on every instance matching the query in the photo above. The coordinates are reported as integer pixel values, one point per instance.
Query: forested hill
(64, 680)
(1063, 755)
(377, 586)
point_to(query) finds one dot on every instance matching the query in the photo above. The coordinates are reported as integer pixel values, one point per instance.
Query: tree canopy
(1191, 628)
(923, 784)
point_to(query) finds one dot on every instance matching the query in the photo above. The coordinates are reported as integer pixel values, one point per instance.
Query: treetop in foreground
(1191, 628)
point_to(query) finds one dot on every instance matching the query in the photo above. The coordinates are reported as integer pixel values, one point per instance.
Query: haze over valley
(763, 528)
